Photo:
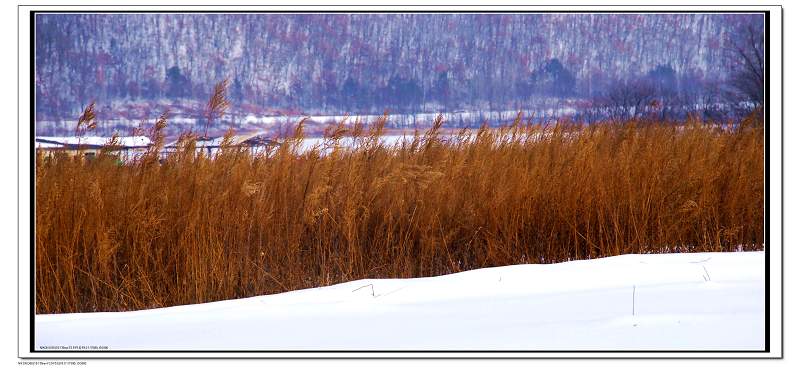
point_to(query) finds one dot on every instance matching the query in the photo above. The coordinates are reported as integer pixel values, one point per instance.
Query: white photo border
(774, 158)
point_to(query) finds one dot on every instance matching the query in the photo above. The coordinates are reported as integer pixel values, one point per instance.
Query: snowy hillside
(368, 62)
(708, 301)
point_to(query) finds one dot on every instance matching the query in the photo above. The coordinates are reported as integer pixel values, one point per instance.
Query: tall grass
(194, 228)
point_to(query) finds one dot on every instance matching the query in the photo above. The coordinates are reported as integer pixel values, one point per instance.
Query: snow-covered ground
(703, 301)
(186, 121)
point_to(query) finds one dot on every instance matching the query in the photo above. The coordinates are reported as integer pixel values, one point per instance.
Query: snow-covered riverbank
(705, 301)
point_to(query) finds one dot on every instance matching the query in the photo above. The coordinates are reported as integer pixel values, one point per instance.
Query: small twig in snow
(367, 285)
(707, 277)
(633, 302)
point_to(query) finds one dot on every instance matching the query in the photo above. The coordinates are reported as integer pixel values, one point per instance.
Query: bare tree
(746, 54)
(629, 99)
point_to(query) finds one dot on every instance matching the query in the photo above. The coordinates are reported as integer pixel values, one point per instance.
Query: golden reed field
(193, 228)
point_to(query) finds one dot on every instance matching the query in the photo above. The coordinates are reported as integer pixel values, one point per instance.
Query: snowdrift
(701, 301)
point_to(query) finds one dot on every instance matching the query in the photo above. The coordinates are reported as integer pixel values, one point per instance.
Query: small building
(254, 142)
(128, 148)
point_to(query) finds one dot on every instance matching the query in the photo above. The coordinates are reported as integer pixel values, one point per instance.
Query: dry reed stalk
(87, 120)
(193, 229)
(217, 104)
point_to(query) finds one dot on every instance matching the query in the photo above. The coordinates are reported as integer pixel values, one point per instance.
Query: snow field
(702, 301)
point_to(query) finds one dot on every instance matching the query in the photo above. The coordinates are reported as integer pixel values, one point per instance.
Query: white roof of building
(125, 141)
(47, 145)
(217, 141)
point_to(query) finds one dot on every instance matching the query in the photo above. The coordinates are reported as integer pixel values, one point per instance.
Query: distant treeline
(365, 63)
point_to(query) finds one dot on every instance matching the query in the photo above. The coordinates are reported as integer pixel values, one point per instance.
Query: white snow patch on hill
(702, 301)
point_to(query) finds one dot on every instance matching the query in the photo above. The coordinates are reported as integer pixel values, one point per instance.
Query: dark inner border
(32, 14)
